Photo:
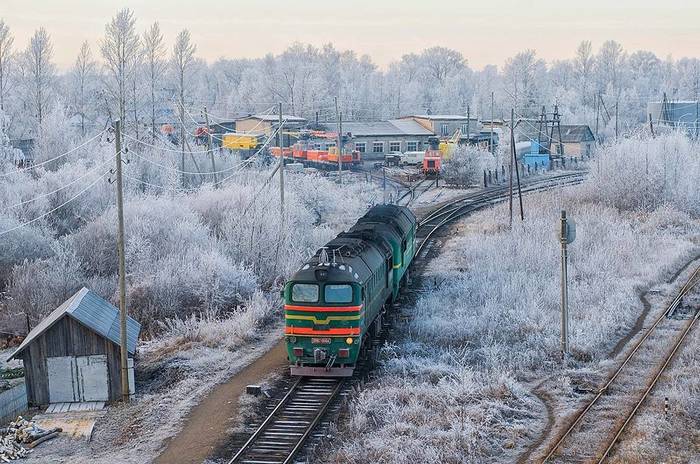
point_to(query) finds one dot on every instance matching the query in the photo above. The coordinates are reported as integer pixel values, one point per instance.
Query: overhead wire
(73, 198)
(179, 171)
(43, 195)
(34, 166)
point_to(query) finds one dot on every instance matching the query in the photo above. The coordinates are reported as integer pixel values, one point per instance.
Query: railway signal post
(567, 234)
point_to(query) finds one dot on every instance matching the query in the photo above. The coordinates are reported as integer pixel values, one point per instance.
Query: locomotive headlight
(348, 341)
(292, 339)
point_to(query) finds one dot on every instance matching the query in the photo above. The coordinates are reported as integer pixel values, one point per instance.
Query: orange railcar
(276, 152)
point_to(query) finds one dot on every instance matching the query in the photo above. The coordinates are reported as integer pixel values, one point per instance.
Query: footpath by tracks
(596, 428)
(282, 434)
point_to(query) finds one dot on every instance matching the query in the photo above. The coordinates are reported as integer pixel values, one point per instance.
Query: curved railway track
(282, 434)
(585, 439)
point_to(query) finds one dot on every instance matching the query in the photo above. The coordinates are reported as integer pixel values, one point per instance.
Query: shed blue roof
(95, 313)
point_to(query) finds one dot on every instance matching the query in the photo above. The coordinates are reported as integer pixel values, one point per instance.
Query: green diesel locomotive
(333, 304)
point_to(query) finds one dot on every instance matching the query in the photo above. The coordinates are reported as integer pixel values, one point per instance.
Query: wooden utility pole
(339, 118)
(651, 125)
(491, 135)
(468, 121)
(182, 142)
(597, 115)
(510, 177)
(517, 175)
(210, 144)
(122, 267)
(280, 138)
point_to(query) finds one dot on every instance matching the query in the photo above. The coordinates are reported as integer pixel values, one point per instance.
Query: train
(333, 305)
(432, 161)
(313, 155)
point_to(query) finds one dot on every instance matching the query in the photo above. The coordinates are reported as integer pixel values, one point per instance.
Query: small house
(577, 140)
(73, 355)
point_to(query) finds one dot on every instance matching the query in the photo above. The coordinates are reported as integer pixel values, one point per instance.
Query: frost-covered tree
(583, 68)
(121, 51)
(39, 72)
(154, 60)
(84, 83)
(524, 76)
(6, 41)
(181, 66)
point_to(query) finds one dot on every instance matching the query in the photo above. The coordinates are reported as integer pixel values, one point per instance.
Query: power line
(92, 184)
(33, 166)
(179, 171)
(87, 173)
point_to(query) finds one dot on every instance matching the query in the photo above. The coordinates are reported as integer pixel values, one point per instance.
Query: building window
(465, 128)
(360, 146)
(394, 146)
(443, 129)
(378, 147)
(412, 146)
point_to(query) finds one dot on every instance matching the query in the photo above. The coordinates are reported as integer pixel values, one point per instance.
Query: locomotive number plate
(321, 341)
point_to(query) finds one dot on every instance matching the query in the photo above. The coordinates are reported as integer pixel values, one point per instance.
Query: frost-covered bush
(643, 173)
(466, 166)
(455, 386)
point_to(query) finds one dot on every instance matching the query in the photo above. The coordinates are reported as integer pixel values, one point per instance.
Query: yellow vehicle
(447, 147)
(241, 141)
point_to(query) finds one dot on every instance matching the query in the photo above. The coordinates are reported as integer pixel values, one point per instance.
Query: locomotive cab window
(341, 293)
(305, 293)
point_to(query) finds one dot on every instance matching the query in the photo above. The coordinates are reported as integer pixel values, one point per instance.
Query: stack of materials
(21, 436)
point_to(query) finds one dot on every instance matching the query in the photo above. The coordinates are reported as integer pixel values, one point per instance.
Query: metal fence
(13, 402)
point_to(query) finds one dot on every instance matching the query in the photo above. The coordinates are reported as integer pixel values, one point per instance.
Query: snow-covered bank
(457, 384)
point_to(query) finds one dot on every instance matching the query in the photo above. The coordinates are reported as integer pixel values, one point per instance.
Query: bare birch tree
(39, 71)
(181, 64)
(121, 49)
(6, 41)
(83, 73)
(154, 55)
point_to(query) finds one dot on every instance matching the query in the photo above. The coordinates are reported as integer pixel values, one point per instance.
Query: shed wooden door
(75, 379)
(92, 379)
(62, 384)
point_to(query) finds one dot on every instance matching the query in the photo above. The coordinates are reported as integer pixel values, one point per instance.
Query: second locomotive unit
(333, 304)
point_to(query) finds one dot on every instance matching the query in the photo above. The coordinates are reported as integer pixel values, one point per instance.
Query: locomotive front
(323, 319)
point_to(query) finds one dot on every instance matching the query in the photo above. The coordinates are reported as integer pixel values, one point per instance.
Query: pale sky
(485, 31)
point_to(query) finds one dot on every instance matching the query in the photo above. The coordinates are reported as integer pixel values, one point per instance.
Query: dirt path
(208, 422)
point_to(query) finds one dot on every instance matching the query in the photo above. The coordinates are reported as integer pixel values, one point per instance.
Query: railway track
(415, 191)
(597, 427)
(282, 434)
(468, 204)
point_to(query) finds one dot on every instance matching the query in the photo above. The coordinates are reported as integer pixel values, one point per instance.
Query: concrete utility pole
(339, 118)
(567, 234)
(210, 144)
(122, 267)
(280, 138)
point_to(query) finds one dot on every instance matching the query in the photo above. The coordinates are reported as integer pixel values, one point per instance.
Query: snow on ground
(457, 385)
(674, 436)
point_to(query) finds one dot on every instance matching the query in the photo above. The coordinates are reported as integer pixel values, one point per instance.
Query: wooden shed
(73, 354)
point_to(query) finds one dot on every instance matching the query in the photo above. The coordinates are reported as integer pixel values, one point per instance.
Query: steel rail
(262, 426)
(656, 378)
(483, 199)
(581, 414)
(287, 427)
